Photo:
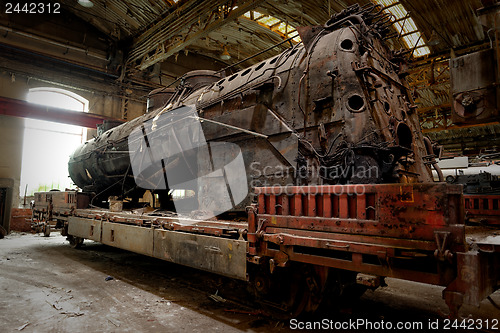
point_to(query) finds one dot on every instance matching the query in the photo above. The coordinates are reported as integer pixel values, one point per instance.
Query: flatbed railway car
(302, 246)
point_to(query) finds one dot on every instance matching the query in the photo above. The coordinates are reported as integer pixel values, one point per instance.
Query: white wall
(11, 145)
(11, 135)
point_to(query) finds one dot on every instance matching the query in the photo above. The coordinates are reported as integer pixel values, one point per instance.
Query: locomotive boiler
(330, 110)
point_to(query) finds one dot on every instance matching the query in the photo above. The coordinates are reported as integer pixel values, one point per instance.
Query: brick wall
(18, 219)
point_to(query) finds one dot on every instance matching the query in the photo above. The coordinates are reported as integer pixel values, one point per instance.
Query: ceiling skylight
(405, 26)
(273, 23)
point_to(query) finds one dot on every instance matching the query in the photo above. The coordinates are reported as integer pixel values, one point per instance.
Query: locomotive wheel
(75, 242)
(46, 229)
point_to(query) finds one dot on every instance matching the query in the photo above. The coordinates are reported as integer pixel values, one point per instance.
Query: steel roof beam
(163, 51)
(22, 109)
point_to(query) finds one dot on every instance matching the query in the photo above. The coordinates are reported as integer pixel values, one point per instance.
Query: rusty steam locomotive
(332, 110)
(326, 142)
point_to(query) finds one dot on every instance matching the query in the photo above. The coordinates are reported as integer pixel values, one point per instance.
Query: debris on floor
(217, 298)
(20, 328)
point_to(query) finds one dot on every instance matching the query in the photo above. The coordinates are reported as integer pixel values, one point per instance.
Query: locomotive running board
(210, 253)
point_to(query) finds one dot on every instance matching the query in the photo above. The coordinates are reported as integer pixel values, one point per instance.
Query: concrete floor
(46, 286)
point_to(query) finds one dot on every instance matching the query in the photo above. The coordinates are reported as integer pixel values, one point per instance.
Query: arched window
(58, 98)
(48, 145)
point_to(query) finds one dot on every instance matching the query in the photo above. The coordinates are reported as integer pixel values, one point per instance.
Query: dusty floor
(46, 286)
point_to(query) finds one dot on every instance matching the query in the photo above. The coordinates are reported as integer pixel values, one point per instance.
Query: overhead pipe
(49, 41)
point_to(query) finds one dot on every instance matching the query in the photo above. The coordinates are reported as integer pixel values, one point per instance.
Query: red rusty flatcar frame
(410, 231)
(366, 222)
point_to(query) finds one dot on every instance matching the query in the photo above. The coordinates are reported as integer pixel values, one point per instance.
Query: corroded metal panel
(218, 255)
(473, 87)
(128, 237)
(422, 223)
(84, 228)
(391, 207)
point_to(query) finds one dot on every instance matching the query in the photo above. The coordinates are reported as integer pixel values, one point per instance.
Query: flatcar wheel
(290, 291)
(75, 242)
(46, 230)
(64, 230)
(341, 291)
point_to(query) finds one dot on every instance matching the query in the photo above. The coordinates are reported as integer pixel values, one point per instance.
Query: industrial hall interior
(249, 165)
